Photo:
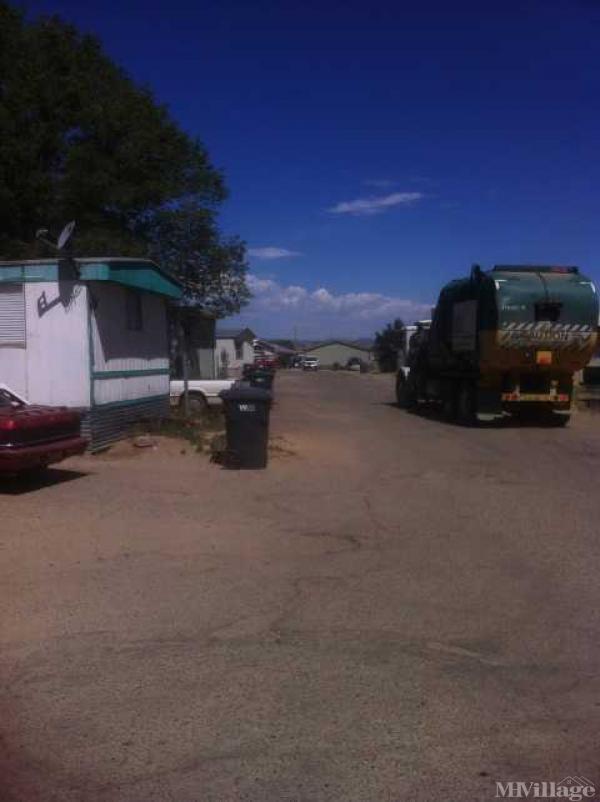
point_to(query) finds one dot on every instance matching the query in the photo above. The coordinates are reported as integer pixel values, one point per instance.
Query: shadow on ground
(38, 480)
(433, 413)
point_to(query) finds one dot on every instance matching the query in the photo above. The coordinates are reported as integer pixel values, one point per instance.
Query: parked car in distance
(32, 436)
(202, 392)
(310, 363)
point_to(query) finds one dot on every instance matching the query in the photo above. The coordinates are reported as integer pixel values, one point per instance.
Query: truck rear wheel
(404, 394)
(450, 403)
(465, 404)
(197, 403)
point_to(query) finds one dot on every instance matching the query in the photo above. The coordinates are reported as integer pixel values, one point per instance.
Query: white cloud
(368, 206)
(277, 308)
(272, 252)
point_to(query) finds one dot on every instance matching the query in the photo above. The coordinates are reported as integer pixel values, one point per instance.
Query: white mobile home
(234, 349)
(88, 333)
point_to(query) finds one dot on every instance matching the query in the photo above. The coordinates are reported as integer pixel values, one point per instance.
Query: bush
(389, 343)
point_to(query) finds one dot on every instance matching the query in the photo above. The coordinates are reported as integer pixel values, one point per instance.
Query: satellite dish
(65, 235)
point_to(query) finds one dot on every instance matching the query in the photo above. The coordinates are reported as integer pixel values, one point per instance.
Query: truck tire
(404, 394)
(450, 403)
(197, 403)
(465, 404)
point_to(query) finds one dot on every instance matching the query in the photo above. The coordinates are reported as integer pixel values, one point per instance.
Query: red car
(32, 437)
(266, 362)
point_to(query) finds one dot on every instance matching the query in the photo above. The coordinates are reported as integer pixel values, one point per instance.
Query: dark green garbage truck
(504, 341)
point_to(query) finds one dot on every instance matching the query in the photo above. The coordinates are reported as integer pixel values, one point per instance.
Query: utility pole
(184, 364)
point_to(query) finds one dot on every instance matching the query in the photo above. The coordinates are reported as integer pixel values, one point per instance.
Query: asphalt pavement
(397, 610)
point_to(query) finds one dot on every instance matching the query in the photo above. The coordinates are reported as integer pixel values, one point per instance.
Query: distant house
(339, 352)
(234, 348)
(88, 333)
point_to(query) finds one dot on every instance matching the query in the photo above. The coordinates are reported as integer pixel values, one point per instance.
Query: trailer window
(12, 315)
(547, 311)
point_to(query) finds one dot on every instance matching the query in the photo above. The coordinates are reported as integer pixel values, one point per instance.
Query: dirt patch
(162, 446)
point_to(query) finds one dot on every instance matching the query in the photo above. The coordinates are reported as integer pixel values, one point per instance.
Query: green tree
(80, 140)
(389, 343)
(213, 269)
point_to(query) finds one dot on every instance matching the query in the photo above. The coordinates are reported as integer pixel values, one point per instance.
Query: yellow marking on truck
(543, 357)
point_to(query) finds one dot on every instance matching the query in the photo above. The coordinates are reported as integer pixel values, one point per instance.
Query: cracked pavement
(396, 610)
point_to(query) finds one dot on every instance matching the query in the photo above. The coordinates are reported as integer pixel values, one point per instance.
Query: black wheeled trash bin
(247, 426)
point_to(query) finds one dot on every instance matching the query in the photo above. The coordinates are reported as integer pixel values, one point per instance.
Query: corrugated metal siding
(104, 425)
(133, 388)
(12, 315)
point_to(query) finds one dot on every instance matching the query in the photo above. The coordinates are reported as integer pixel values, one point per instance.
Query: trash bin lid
(244, 392)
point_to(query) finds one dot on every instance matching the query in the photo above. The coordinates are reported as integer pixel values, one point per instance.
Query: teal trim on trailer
(129, 374)
(140, 274)
(27, 272)
(11, 274)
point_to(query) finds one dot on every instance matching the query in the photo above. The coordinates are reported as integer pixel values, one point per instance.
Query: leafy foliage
(389, 343)
(213, 270)
(80, 140)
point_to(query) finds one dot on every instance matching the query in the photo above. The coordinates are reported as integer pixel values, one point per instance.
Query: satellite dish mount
(63, 240)
(68, 267)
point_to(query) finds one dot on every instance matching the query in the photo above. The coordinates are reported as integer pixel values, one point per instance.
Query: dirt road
(397, 610)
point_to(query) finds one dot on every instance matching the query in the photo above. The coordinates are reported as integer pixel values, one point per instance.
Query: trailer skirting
(107, 423)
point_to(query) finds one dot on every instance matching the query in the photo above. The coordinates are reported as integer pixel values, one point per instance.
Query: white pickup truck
(202, 392)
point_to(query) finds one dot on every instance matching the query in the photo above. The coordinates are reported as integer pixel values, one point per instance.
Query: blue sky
(377, 151)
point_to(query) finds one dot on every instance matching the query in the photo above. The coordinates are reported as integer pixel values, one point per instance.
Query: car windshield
(8, 399)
